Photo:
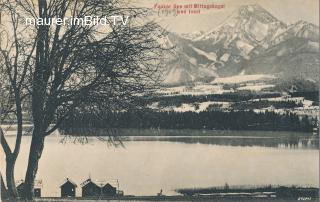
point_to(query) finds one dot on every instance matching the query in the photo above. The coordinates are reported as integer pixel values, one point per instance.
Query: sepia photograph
(159, 100)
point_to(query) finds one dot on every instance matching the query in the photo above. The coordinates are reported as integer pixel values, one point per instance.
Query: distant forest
(218, 120)
(242, 100)
(178, 100)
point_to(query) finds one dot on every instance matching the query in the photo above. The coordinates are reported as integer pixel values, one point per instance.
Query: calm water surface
(144, 165)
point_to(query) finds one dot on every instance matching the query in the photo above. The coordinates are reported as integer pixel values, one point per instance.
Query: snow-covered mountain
(301, 29)
(246, 28)
(188, 64)
(250, 40)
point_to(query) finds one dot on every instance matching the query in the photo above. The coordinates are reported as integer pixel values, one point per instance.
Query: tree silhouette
(77, 66)
(16, 55)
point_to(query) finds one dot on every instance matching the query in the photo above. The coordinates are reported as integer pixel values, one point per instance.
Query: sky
(288, 11)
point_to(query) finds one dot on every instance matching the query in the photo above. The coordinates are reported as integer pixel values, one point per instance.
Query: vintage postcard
(159, 100)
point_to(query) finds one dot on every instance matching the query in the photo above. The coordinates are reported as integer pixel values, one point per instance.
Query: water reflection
(278, 142)
(277, 139)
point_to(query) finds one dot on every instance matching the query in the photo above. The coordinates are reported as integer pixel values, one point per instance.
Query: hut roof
(112, 182)
(69, 181)
(37, 183)
(108, 185)
(86, 182)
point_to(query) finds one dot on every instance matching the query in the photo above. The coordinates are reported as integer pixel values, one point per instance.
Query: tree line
(219, 120)
(177, 100)
(289, 104)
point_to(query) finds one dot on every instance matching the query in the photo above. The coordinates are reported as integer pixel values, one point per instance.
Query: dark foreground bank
(267, 193)
(177, 198)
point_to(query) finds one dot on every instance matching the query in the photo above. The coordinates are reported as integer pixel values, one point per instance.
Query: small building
(36, 189)
(68, 188)
(109, 190)
(90, 189)
(120, 193)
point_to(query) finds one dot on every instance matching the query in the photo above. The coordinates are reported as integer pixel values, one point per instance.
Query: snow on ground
(242, 78)
(300, 111)
(248, 82)
(225, 57)
(171, 91)
(204, 105)
(199, 89)
(211, 56)
(243, 72)
(207, 89)
(283, 98)
(311, 111)
(154, 106)
(307, 109)
(193, 60)
(192, 107)
(245, 47)
(256, 87)
(313, 45)
(306, 103)
(259, 30)
(182, 108)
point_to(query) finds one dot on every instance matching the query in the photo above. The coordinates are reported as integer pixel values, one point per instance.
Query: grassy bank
(282, 192)
(175, 198)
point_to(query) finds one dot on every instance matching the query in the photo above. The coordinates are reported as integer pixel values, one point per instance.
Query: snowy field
(253, 83)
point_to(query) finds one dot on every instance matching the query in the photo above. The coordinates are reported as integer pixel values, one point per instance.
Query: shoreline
(182, 132)
(172, 198)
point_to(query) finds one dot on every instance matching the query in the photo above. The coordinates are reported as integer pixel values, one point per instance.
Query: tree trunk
(4, 191)
(36, 149)
(11, 185)
(10, 163)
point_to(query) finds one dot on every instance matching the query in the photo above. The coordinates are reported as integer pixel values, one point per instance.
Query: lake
(144, 165)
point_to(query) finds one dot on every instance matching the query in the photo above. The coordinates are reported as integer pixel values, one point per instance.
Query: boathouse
(109, 190)
(90, 189)
(36, 189)
(68, 188)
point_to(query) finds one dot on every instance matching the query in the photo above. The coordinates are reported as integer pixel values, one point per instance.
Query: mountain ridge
(247, 35)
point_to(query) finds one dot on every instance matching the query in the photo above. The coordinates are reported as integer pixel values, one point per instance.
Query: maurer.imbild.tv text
(85, 21)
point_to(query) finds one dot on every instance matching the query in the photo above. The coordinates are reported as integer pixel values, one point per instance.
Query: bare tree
(85, 66)
(15, 60)
(4, 191)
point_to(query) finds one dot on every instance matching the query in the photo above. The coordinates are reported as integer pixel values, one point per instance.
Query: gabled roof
(69, 181)
(113, 183)
(100, 184)
(37, 183)
(87, 182)
(108, 185)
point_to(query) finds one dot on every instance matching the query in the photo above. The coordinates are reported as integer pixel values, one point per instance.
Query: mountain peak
(304, 23)
(255, 11)
(251, 8)
(302, 29)
(251, 23)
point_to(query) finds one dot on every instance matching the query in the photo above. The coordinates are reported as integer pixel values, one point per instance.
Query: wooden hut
(36, 189)
(68, 188)
(90, 189)
(109, 190)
